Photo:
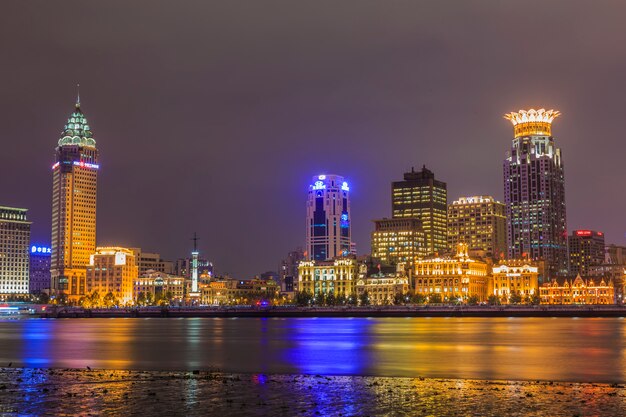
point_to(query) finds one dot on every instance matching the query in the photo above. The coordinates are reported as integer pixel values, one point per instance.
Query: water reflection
(482, 348)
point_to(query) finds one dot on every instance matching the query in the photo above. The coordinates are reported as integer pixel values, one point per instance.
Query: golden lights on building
(231, 291)
(160, 285)
(514, 276)
(452, 278)
(382, 288)
(112, 269)
(532, 122)
(322, 277)
(398, 240)
(577, 291)
(480, 222)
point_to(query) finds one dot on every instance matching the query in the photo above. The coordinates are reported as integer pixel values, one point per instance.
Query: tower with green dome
(74, 196)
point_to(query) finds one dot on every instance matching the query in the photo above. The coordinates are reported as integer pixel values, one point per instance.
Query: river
(555, 349)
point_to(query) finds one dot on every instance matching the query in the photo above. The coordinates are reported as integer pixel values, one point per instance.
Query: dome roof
(77, 130)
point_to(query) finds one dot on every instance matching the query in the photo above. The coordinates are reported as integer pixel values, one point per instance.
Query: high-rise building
(586, 248)
(615, 254)
(423, 197)
(480, 222)
(114, 270)
(328, 218)
(534, 192)
(39, 269)
(74, 176)
(14, 251)
(399, 240)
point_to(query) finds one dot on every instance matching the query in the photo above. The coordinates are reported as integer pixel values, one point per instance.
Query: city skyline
(168, 132)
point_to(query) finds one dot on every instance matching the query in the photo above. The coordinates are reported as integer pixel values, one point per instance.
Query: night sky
(213, 116)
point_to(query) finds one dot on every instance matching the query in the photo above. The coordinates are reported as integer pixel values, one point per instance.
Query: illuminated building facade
(232, 291)
(400, 240)
(586, 248)
(39, 280)
(534, 192)
(159, 284)
(514, 276)
(74, 183)
(423, 197)
(112, 269)
(577, 291)
(480, 222)
(328, 218)
(14, 251)
(382, 286)
(453, 278)
(323, 277)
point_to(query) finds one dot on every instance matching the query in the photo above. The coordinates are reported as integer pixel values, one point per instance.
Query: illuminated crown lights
(76, 131)
(532, 122)
(532, 116)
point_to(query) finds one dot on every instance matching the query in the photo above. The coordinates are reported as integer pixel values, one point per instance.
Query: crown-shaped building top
(532, 122)
(77, 130)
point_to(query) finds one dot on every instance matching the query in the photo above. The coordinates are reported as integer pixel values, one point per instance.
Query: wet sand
(69, 392)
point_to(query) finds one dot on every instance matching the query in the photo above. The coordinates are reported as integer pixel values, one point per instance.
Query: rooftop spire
(78, 96)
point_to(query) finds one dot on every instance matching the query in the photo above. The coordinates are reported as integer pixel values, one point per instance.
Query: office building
(452, 278)
(577, 291)
(14, 251)
(114, 270)
(74, 189)
(514, 276)
(586, 248)
(323, 277)
(479, 222)
(423, 197)
(382, 284)
(157, 286)
(534, 192)
(289, 267)
(39, 280)
(328, 218)
(400, 240)
(147, 261)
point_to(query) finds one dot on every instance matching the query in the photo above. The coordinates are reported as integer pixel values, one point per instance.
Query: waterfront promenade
(369, 311)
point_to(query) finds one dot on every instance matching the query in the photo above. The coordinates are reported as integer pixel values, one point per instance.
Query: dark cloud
(213, 116)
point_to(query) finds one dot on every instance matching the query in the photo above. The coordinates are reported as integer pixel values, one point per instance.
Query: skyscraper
(480, 222)
(14, 251)
(39, 269)
(534, 192)
(74, 174)
(585, 248)
(328, 218)
(423, 197)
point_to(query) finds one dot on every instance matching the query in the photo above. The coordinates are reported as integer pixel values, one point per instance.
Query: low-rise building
(452, 278)
(232, 291)
(382, 286)
(514, 276)
(114, 270)
(577, 291)
(160, 285)
(323, 277)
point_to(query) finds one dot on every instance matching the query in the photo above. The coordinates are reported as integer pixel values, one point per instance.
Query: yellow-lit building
(74, 186)
(322, 277)
(232, 291)
(382, 287)
(112, 269)
(514, 276)
(159, 284)
(577, 291)
(453, 278)
(480, 222)
(398, 240)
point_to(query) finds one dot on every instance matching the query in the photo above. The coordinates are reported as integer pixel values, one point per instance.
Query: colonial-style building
(453, 278)
(322, 277)
(160, 285)
(382, 286)
(514, 276)
(577, 291)
(232, 291)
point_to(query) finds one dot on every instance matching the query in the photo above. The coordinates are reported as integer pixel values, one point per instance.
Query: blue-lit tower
(328, 218)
